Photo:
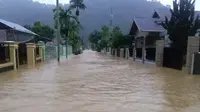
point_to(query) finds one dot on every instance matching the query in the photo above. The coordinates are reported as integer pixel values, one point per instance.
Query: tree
(41, 29)
(181, 24)
(94, 38)
(65, 18)
(77, 4)
(101, 39)
(74, 38)
(104, 41)
(118, 39)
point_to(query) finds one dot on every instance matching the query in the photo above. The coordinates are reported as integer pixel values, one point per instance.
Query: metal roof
(16, 27)
(148, 25)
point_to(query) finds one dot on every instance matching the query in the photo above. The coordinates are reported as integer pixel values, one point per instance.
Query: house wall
(140, 34)
(2, 35)
(18, 36)
(139, 39)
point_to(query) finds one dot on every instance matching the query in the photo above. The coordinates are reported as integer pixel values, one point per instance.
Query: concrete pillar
(159, 52)
(192, 47)
(134, 53)
(115, 52)
(122, 52)
(105, 52)
(41, 52)
(127, 53)
(13, 46)
(31, 59)
(144, 50)
(109, 50)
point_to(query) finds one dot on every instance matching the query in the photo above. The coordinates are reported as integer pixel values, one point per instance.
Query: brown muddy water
(93, 82)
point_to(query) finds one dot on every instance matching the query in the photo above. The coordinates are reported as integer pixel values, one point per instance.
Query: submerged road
(93, 82)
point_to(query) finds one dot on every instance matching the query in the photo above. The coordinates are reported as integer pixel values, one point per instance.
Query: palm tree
(77, 4)
(65, 17)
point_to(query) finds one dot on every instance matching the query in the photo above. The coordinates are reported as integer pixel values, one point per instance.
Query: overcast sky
(165, 2)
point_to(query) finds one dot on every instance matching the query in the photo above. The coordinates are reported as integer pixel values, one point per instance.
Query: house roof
(197, 13)
(148, 25)
(163, 12)
(17, 27)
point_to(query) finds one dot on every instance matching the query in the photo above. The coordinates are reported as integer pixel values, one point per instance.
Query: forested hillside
(96, 14)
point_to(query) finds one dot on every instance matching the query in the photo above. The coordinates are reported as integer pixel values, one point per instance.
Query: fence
(22, 54)
(37, 51)
(118, 52)
(130, 52)
(139, 52)
(51, 51)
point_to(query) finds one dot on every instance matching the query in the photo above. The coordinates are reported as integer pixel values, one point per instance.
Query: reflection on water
(92, 82)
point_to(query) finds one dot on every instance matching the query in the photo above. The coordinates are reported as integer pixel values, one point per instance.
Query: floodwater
(93, 82)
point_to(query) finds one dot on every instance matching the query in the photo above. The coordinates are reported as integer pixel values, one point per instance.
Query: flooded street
(93, 82)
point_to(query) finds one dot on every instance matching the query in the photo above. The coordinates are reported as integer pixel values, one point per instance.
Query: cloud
(52, 1)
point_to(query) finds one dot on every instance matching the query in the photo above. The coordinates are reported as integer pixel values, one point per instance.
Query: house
(18, 46)
(13, 32)
(147, 30)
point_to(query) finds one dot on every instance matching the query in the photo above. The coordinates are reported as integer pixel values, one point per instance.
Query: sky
(165, 2)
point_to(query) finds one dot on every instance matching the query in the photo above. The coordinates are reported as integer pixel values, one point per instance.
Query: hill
(96, 14)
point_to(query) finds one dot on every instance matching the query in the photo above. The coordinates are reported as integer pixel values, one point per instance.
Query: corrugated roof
(16, 27)
(148, 25)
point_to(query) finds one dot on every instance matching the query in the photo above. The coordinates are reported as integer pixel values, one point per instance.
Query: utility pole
(111, 21)
(58, 30)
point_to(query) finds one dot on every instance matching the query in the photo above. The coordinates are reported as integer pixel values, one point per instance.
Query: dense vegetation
(182, 24)
(106, 38)
(41, 29)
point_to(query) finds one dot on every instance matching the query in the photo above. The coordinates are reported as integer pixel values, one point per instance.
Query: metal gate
(22, 54)
(173, 58)
(50, 51)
